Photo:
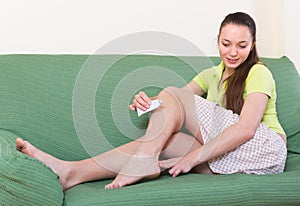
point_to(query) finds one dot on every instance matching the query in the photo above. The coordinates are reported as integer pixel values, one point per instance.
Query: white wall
(83, 26)
(292, 31)
(270, 22)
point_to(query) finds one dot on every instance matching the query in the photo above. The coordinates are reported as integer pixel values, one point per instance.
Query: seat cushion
(193, 189)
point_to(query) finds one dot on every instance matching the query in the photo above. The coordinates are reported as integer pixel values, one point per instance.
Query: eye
(225, 44)
(243, 46)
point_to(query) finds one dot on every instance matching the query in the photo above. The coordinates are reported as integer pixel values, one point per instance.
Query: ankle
(69, 176)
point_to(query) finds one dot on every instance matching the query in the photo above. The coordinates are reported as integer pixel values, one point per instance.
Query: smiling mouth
(232, 60)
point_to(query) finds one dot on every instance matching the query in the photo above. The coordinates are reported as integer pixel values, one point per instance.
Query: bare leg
(178, 109)
(109, 164)
(103, 166)
(73, 173)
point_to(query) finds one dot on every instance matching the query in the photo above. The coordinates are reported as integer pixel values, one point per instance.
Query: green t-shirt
(259, 79)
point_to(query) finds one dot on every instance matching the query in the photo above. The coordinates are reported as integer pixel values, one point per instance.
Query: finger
(144, 96)
(141, 104)
(174, 172)
(143, 99)
(132, 107)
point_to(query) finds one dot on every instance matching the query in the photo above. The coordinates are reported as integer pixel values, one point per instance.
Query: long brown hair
(236, 82)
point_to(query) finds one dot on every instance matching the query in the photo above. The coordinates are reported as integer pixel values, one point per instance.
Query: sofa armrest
(24, 180)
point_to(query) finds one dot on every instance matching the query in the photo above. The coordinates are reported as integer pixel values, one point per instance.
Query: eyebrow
(238, 42)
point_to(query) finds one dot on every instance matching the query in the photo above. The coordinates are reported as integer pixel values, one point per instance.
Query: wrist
(194, 158)
(198, 157)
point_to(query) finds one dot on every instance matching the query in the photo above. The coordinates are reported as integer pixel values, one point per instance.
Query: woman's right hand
(141, 101)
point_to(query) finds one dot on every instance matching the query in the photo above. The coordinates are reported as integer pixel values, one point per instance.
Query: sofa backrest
(76, 106)
(288, 97)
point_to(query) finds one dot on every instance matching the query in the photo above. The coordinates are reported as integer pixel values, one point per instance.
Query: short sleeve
(204, 78)
(259, 79)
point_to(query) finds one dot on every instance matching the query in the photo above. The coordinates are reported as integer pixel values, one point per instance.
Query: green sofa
(76, 106)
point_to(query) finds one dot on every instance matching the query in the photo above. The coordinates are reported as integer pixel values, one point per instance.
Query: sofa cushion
(23, 180)
(194, 189)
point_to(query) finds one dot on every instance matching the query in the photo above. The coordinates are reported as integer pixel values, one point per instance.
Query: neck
(227, 72)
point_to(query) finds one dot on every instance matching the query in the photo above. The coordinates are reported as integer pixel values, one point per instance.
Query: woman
(235, 130)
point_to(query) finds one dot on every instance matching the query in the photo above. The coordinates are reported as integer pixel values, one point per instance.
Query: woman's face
(235, 44)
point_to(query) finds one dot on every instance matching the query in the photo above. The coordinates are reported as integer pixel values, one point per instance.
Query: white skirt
(265, 153)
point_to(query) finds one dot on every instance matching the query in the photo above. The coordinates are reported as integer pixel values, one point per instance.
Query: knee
(172, 105)
(171, 101)
(168, 91)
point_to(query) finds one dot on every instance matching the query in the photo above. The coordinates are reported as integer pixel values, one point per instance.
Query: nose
(233, 51)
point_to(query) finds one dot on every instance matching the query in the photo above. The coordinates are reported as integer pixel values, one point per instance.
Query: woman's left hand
(178, 165)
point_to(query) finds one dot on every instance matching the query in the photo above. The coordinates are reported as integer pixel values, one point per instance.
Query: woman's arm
(195, 87)
(232, 137)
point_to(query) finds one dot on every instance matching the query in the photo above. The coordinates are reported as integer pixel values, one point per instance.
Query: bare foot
(61, 168)
(138, 168)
